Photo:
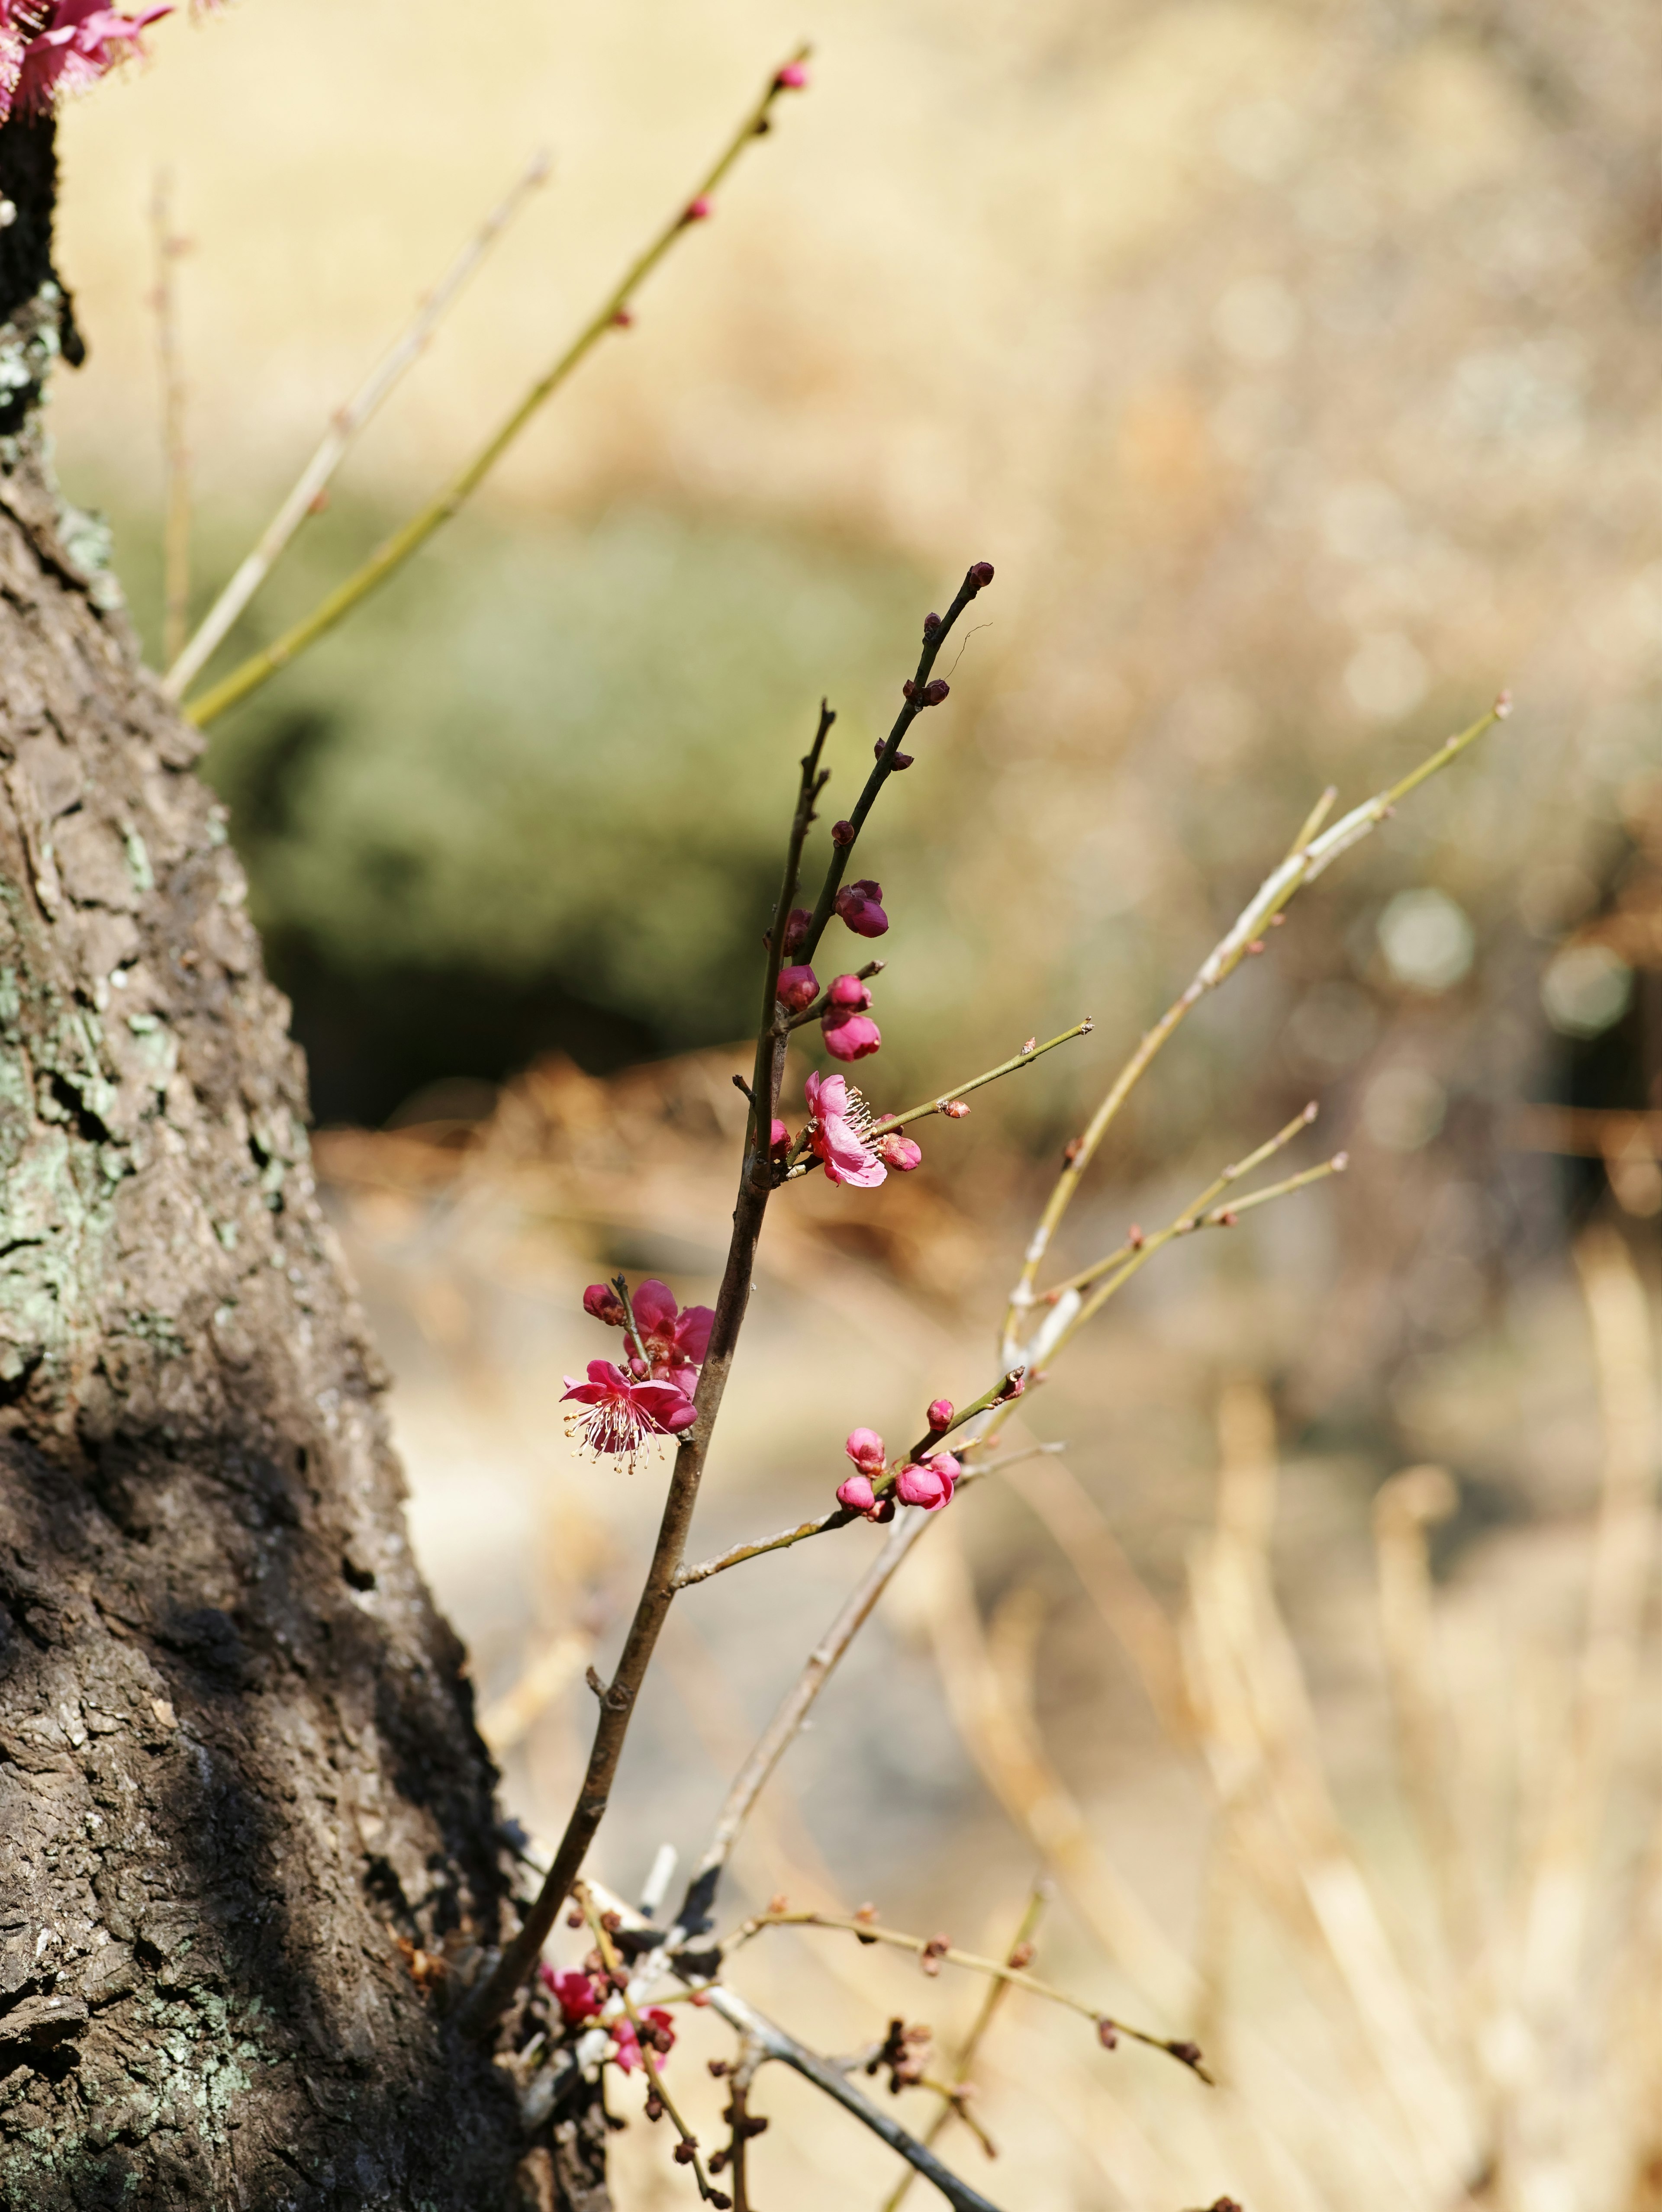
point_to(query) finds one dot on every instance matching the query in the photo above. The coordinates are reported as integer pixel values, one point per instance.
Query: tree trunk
(246, 1827)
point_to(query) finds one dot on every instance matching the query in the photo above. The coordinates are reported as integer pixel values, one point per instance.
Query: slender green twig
(933, 1947)
(612, 314)
(187, 662)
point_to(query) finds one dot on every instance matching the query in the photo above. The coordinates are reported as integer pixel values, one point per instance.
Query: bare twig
(175, 451)
(869, 1931)
(1311, 855)
(612, 315)
(739, 2013)
(186, 662)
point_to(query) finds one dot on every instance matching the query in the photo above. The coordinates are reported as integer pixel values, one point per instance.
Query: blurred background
(1294, 362)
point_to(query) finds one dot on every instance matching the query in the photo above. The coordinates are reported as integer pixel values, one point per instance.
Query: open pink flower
(626, 2045)
(929, 1486)
(674, 1339)
(838, 1133)
(621, 1414)
(80, 40)
(860, 906)
(576, 1995)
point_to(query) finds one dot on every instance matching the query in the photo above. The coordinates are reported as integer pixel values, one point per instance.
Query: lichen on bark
(240, 1783)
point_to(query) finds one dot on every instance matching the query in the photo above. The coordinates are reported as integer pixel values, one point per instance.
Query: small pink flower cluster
(622, 1407)
(57, 46)
(929, 1483)
(580, 1999)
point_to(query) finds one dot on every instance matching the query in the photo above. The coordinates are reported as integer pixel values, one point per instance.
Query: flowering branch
(1311, 854)
(934, 1950)
(687, 2150)
(1029, 1052)
(187, 662)
(613, 314)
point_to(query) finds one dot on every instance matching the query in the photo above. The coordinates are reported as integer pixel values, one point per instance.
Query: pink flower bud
(792, 78)
(929, 1486)
(935, 691)
(798, 987)
(779, 1137)
(699, 211)
(954, 1109)
(939, 1415)
(865, 1448)
(602, 1302)
(842, 833)
(850, 994)
(931, 624)
(798, 922)
(856, 1493)
(849, 1036)
(898, 1151)
(980, 575)
(860, 906)
(623, 318)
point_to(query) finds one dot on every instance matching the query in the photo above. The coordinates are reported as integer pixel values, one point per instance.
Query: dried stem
(397, 549)
(187, 662)
(175, 451)
(1311, 855)
(997, 1990)
(1016, 1976)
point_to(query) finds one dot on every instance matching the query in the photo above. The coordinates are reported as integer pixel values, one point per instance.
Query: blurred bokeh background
(1295, 364)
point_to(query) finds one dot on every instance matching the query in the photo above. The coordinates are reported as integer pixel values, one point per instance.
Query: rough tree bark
(240, 1790)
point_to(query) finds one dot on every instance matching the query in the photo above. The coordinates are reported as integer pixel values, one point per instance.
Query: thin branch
(1186, 2054)
(840, 1515)
(1310, 856)
(793, 1709)
(175, 451)
(187, 662)
(997, 1990)
(914, 699)
(739, 2013)
(612, 314)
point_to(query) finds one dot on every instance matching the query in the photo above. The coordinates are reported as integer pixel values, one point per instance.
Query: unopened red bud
(798, 922)
(778, 1136)
(849, 991)
(931, 624)
(624, 318)
(935, 691)
(792, 78)
(860, 905)
(939, 1415)
(1021, 1958)
(1228, 1218)
(1135, 1238)
(954, 1109)
(798, 989)
(1189, 2053)
(1107, 2035)
(685, 2151)
(907, 689)
(698, 210)
(900, 1152)
(718, 2067)
(842, 833)
(601, 1303)
(981, 575)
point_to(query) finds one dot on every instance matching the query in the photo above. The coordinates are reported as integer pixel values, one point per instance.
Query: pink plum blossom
(930, 1484)
(577, 1997)
(900, 1152)
(798, 922)
(79, 42)
(849, 1034)
(856, 1493)
(860, 906)
(779, 1138)
(838, 1133)
(939, 1415)
(603, 1303)
(674, 1340)
(622, 1415)
(798, 989)
(659, 2025)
